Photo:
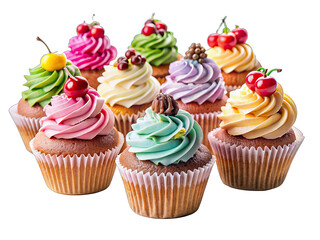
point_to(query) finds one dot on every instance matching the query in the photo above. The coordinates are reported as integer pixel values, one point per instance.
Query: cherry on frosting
(76, 87)
(97, 31)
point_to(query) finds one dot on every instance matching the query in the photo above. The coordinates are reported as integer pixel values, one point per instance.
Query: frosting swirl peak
(82, 117)
(253, 116)
(133, 86)
(165, 139)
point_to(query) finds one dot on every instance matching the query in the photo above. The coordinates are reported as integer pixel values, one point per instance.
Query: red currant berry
(97, 31)
(251, 79)
(227, 40)
(122, 65)
(130, 52)
(136, 60)
(76, 87)
(266, 86)
(160, 25)
(83, 28)
(143, 60)
(241, 35)
(148, 29)
(213, 39)
(161, 32)
(120, 59)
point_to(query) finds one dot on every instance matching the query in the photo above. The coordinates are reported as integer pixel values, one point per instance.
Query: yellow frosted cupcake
(233, 55)
(128, 88)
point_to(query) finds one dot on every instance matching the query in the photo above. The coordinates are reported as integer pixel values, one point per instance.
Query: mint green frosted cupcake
(165, 168)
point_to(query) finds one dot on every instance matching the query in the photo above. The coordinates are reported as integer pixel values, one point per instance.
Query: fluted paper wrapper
(208, 122)
(74, 175)
(27, 127)
(254, 169)
(165, 195)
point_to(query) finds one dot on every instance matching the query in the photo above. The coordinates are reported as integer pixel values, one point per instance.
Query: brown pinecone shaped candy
(196, 52)
(165, 104)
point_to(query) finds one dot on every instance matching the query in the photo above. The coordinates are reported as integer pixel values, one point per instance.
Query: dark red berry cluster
(153, 26)
(196, 52)
(136, 59)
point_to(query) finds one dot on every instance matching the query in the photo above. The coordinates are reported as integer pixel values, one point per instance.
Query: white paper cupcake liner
(165, 195)
(208, 122)
(27, 127)
(254, 169)
(82, 174)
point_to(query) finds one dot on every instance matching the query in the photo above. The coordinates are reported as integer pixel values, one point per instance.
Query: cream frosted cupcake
(128, 88)
(77, 143)
(256, 141)
(197, 85)
(43, 82)
(233, 55)
(165, 168)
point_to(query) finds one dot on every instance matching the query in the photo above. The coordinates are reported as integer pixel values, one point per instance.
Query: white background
(283, 34)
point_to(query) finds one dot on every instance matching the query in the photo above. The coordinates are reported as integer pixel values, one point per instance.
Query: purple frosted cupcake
(197, 85)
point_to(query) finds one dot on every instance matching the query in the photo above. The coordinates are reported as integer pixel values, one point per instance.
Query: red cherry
(266, 86)
(143, 60)
(252, 78)
(136, 60)
(148, 29)
(161, 32)
(122, 65)
(76, 87)
(241, 35)
(130, 52)
(83, 28)
(97, 31)
(120, 59)
(227, 40)
(160, 25)
(213, 39)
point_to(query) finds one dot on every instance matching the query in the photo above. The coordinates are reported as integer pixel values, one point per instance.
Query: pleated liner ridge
(254, 169)
(82, 174)
(165, 195)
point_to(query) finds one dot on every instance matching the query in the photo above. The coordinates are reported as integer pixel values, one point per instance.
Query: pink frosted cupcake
(77, 143)
(90, 50)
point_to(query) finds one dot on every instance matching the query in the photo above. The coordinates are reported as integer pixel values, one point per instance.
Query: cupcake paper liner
(165, 195)
(27, 127)
(208, 122)
(73, 174)
(254, 169)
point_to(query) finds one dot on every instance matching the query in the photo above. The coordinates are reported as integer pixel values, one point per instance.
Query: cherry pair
(96, 31)
(153, 26)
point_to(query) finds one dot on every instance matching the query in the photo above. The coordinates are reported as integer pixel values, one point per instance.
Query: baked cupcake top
(156, 43)
(230, 50)
(165, 135)
(90, 49)
(259, 108)
(79, 113)
(48, 78)
(129, 82)
(195, 78)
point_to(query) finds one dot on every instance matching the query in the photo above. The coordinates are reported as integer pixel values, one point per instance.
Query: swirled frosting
(82, 117)
(191, 81)
(157, 49)
(165, 139)
(253, 116)
(133, 86)
(89, 53)
(44, 84)
(239, 59)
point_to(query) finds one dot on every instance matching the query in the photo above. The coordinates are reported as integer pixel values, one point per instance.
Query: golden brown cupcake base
(255, 165)
(35, 111)
(235, 78)
(92, 76)
(65, 147)
(130, 161)
(160, 72)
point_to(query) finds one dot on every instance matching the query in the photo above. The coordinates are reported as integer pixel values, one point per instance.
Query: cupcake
(197, 85)
(128, 88)
(90, 50)
(233, 55)
(158, 46)
(256, 141)
(165, 168)
(77, 143)
(44, 81)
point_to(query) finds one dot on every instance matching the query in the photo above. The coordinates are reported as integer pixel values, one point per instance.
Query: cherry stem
(263, 69)
(152, 16)
(265, 73)
(93, 15)
(39, 39)
(276, 69)
(222, 21)
(70, 75)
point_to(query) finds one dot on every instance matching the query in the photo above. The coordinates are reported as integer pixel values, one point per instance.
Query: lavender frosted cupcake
(197, 85)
